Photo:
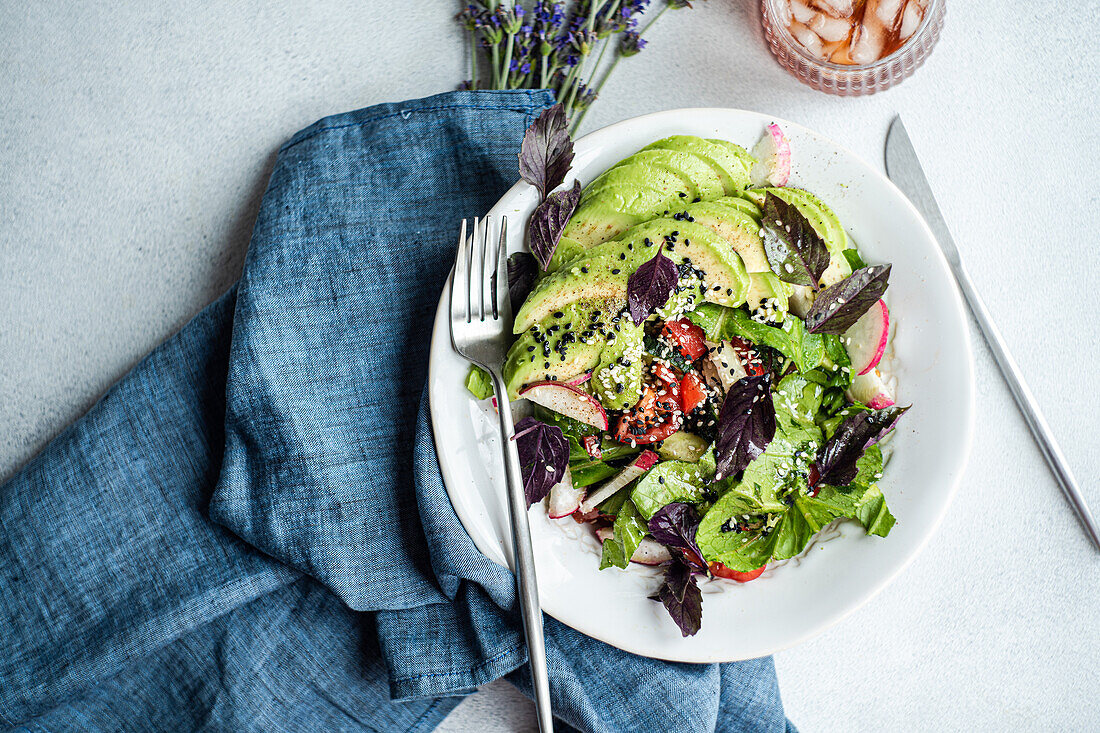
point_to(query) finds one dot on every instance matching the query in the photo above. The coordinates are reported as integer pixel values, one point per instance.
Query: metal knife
(904, 169)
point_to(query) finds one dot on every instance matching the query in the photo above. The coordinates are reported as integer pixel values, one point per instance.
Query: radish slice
(564, 497)
(866, 339)
(579, 380)
(773, 159)
(642, 463)
(567, 400)
(649, 552)
(871, 390)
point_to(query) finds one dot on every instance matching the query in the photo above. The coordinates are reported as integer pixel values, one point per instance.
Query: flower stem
(544, 75)
(494, 52)
(473, 59)
(506, 64)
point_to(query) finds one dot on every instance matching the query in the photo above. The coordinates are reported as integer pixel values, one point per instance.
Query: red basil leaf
(649, 287)
(682, 598)
(839, 306)
(543, 457)
(836, 461)
(746, 424)
(522, 271)
(547, 151)
(548, 221)
(674, 525)
(795, 251)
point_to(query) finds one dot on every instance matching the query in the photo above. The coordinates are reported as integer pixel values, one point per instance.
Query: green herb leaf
(629, 530)
(665, 483)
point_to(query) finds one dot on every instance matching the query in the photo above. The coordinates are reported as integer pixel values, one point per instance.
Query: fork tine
(469, 266)
(481, 261)
(458, 290)
(499, 285)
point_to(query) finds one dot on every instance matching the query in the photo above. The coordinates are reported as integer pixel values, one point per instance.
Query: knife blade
(904, 169)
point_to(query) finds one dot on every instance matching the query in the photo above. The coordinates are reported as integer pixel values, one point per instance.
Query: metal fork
(481, 331)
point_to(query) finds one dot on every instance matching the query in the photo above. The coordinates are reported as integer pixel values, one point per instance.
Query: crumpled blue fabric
(249, 532)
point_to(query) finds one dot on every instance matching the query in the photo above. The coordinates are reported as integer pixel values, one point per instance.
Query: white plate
(788, 604)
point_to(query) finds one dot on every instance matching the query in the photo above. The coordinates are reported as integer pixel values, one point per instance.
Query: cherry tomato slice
(750, 360)
(722, 571)
(657, 415)
(692, 391)
(686, 338)
(665, 373)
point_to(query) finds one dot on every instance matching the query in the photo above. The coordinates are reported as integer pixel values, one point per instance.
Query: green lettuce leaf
(629, 530)
(665, 483)
(790, 338)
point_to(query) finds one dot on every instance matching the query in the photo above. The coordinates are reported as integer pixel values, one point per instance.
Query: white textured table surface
(135, 143)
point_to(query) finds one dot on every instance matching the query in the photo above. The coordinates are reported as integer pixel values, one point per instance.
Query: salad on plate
(701, 345)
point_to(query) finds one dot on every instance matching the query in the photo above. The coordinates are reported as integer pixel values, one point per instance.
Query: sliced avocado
(704, 174)
(723, 272)
(668, 180)
(591, 283)
(767, 297)
(736, 150)
(740, 202)
(732, 168)
(617, 380)
(613, 211)
(736, 227)
(568, 249)
(598, 279)
(548, 355)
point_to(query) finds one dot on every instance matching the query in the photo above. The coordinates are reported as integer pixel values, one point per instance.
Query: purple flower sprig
(568, 46)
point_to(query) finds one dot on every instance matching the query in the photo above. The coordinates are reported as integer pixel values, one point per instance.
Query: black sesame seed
(616, 271)
(530, 348)
(558, 314)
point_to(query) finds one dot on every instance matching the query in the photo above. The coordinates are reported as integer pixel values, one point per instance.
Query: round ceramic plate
(844, 567)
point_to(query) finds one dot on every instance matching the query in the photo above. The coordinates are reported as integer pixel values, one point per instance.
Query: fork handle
(526, 584)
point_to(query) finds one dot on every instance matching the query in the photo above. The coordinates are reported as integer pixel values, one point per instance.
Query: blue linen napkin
(250, 530)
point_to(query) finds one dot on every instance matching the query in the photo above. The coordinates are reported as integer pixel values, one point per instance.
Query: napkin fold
(250, 530)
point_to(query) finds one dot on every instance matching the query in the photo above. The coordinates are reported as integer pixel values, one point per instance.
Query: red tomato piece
(754, 367)
(686, 338)
(692, 391)
(717, 568)
(657, 415)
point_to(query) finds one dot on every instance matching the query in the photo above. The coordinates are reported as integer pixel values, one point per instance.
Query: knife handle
(1026, 402)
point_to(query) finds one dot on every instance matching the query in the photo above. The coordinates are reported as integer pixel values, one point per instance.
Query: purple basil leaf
(549, 219)
(795, 251)
(547, 151)
(522, 271)
(839, 306)
(675, 525)
(649, 287)
(681, 597)
(836, 461)
(746, 424)
(543, 457)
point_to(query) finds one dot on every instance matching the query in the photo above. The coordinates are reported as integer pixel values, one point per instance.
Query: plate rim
(501, 554)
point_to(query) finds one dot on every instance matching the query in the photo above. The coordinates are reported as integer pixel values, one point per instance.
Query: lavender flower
(631, 44)
(556, 44)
